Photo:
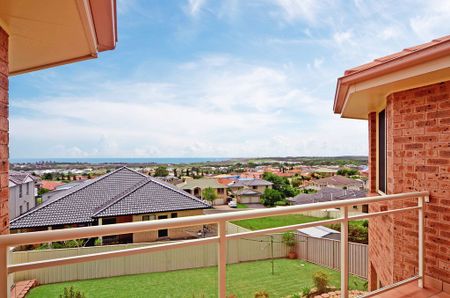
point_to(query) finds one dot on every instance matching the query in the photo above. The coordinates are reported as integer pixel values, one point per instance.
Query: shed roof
(318, 231)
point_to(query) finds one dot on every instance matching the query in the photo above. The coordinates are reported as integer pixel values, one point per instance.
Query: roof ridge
(121, 195)
(69, 192)
(140, 184)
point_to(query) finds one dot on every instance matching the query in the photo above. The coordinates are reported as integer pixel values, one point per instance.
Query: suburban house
(196, 186)
(120, 196)
(249, 190)
(328, 194)
(22, 193)
(337, 181)
(405, 97)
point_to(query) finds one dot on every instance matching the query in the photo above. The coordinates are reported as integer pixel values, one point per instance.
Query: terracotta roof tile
(397, 55)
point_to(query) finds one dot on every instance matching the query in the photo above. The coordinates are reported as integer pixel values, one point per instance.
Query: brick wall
(372, 152)
(4, 138)
(418, 158)
(179, 233)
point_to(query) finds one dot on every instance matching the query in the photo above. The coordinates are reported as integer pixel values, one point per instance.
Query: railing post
(344, 252)
(421, 247)
(222, 260)
(4, 285)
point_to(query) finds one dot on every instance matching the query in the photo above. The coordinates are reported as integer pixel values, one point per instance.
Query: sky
(210, 78)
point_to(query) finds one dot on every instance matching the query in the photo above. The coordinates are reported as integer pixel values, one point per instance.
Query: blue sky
(216, 78)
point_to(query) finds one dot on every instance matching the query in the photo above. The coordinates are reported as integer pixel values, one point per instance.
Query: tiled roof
(50, 185)
(201, 183)
(251, 182)
(121, 192)
(19, 177)
(405, 52)
(337, 180)
(247, 192)
(328, 194)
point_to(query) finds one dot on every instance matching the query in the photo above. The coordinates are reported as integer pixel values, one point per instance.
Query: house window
(148, 217)
(28, 188)
(20, 209)
(220, 190)
(109, 221)
(174, 215)
(382, 151)
(255, 187)
(20, 191)
(28, 206)
(164, 232)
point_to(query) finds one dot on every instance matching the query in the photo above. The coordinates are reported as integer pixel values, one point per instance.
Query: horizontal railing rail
(12, 240)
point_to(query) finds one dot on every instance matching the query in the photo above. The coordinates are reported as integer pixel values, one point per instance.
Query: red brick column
(372, 152)
(4, 138)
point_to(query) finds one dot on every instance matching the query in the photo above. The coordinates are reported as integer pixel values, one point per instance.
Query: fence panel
(326, 252)
(241, 250)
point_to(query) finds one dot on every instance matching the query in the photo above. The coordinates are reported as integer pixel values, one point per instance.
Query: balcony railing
(12, 240)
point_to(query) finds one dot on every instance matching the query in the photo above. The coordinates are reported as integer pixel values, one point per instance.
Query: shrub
(261, 294)
(270, 197)
(289, 239)
(365, 223)
(71, 293)
(281, 203)
(98, 242)
(306, 291)
(321, 280)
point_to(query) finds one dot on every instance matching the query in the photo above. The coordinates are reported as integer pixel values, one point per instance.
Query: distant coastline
(120, 160)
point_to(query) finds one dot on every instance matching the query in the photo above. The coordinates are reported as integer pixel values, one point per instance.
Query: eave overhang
(361, 92)
(48, 33)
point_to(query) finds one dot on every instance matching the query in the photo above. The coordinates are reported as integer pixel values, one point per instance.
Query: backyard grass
(239, 205)
(243, 280)
(275, 221)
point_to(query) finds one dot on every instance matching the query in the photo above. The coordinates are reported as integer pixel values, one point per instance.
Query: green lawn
(275, 221)
(243, 280)
(239, 205)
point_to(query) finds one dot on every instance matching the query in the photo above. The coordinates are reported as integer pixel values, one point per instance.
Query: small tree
(288, 238)
(270, 197)
(261, 294)
(209, 194)
(321, 280)
(161, 172)
(71, 293)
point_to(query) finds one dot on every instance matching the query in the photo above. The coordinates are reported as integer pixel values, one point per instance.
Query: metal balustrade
(12, 240)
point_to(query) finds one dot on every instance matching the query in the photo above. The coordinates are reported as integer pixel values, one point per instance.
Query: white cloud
(307, 10)
(343, 37)
(195, 6)
(431, 19)
(220, 106)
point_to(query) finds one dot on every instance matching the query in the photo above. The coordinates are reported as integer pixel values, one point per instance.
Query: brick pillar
(372, 152)
(4, 138)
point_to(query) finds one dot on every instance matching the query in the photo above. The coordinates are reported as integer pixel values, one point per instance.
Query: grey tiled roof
(19, 177)
(251, 182)
(338, 180)
(327, 194)
(247, 192)
(122, 192)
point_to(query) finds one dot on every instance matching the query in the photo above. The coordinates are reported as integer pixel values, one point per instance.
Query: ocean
(128, 160)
